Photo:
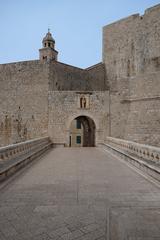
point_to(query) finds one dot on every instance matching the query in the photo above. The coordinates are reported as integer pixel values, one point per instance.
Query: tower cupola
(48, 40)
(48, 51)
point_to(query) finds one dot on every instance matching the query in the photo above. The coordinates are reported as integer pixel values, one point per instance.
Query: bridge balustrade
(15, 156)
(144, 157)
(143, 151)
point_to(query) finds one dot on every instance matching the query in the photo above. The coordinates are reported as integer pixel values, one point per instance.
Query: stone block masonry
(131, 53)
(40, 98)
(64, 108)
(23, 101)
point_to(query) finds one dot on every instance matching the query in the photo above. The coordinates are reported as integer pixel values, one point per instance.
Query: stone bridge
(110, 192)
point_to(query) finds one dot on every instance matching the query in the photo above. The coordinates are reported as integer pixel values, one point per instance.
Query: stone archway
(82, 132)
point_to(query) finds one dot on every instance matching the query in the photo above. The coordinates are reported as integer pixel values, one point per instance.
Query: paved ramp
(79, 193)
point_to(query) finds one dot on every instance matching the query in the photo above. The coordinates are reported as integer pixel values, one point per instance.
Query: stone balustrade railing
(144, 157)
(142, 151)
(16, 156)
(15, 150)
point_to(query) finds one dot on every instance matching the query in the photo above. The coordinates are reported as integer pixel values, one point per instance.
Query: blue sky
(76, 26)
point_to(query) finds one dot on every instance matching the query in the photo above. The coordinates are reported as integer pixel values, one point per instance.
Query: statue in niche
(83, 102)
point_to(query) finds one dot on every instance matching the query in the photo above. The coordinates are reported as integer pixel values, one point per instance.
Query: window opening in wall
(78, 140)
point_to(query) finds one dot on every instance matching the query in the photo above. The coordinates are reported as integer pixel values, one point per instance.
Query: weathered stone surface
(40, 98)
(63, 109)
(131, 53)
(134, 223)
(31, 91)
(64, 77)
(83, 194)
(16, 156)
(23, 101)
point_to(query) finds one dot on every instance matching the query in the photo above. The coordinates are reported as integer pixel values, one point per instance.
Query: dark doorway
(82, 136)
(70, 140)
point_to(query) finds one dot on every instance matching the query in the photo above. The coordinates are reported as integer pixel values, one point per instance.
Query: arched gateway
(82, 132)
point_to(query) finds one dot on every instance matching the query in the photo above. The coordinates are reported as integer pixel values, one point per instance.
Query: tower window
(78, 140)
(45, 44)
(78, 124)
(49, 44)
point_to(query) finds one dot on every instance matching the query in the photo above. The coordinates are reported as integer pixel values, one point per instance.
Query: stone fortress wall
(131, 53)
(63, 77)
(66, 84)
(64, 108)
(23, 101)
(40, 98)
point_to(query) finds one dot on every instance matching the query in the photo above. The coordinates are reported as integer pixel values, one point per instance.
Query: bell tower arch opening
(48, 51)
(82, 132)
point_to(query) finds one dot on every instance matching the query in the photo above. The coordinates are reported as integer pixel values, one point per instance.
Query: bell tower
(48, 51)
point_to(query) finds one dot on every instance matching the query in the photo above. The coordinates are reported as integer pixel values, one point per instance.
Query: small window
(78, 124)
(78, 140)
(45, 44)
(49, 44)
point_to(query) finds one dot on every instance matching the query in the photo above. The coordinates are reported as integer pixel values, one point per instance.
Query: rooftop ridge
(93, 66)
(69, 65)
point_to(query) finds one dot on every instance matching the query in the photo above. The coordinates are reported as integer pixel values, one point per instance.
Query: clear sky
(76, 26)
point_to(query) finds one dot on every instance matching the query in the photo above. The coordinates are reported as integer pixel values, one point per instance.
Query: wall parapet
(144, 157)
(15, 150)
(15, 156)
(146, 152)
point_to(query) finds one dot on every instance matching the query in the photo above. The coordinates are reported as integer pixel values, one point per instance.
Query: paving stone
(90, 228)
(47, 210)
(2, 236)
(134, 222)
(72, 235)
(92, 235)
(41, 237)
(41, 202)
(59, 232)
(75, 226)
